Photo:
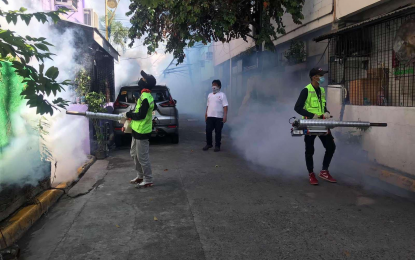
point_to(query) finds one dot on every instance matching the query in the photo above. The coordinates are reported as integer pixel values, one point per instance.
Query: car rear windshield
(128, 95)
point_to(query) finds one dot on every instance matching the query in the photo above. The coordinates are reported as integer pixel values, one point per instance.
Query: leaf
(26, 18)
(51, 71)
(14, 19)
(56, 74)
(54, 17)
(156, 219)
(8, 18)
(41, 68)
(17, 65)
(22, 9)
(42, 46)
(28, 92)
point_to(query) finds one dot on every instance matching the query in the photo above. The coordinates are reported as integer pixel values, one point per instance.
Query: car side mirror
(175, 101)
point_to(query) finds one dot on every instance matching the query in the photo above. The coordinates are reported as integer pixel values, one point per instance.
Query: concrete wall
(392, 146)
(317, 13)
(224, 51)
(370, 11)
(348, 7)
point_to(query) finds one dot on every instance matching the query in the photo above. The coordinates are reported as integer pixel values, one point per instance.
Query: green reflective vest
(144, 126)
(313, 104)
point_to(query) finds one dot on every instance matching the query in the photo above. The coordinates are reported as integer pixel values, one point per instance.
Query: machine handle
(379, 124)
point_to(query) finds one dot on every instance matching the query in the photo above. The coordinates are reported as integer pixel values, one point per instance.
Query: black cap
(317, 71)
(150, 80)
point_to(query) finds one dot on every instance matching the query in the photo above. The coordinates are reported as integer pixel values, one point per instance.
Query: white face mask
(215, 89)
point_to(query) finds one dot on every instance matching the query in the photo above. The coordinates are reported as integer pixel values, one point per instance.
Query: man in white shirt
(216, 115)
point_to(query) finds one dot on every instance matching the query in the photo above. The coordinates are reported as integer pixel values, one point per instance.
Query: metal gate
(375, 62)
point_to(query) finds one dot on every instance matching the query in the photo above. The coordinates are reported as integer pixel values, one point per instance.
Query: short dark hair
(217, 82)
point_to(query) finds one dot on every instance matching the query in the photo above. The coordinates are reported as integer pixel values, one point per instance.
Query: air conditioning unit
(70, 4)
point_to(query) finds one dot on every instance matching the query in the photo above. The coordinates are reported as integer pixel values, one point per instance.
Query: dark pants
(213, 123)
(328, 143)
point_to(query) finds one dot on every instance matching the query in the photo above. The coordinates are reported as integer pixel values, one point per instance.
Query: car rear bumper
(165, 130)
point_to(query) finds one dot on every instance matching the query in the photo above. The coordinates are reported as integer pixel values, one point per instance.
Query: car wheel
(175, 139)
(118, 140)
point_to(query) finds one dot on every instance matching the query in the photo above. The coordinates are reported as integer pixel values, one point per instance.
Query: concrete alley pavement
(207, 205)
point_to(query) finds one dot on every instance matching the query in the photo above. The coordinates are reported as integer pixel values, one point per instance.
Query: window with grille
(376, 63)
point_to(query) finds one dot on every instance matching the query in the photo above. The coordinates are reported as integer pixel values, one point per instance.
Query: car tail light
(117, 104)
(172, 126)
(169, 103)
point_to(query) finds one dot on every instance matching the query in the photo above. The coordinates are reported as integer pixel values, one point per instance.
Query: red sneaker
(313, 179)
(325, 175)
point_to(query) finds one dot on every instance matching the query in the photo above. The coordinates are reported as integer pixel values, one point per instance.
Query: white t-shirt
(216, 103)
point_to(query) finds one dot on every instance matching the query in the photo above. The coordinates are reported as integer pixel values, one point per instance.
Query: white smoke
(261, 134)
(135, 59)
(67, 136)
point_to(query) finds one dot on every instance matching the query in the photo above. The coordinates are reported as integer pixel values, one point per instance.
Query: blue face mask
(321, 80)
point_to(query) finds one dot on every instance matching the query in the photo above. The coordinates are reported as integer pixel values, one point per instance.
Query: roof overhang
(101, 41)
(374, 20)
(95, 35)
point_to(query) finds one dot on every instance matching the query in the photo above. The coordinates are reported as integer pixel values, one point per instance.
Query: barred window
(375, 63)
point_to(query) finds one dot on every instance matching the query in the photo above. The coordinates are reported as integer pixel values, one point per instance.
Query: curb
(14, 228)
(393, 178)
(389, 176)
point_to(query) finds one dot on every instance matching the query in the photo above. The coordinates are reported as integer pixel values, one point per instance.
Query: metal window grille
(375, 63)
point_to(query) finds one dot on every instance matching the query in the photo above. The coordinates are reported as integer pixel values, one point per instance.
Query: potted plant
(82, 82)
(296, 53)
(96, 103)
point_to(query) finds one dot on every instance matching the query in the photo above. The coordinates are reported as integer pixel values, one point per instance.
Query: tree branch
(250, 36)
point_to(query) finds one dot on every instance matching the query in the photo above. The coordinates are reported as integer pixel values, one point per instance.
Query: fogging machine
(105, 116)
(322, 126)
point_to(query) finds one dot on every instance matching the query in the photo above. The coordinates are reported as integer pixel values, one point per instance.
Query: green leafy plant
(96, 103)
(20, 50)
(183, 23)
(296, 53)
(82, 82)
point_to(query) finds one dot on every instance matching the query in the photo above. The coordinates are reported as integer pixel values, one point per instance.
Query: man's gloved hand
(327, 115)
(124, 118)
(315, 116)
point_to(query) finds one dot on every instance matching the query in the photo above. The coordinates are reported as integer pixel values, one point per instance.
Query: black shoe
(217, 149)
(207, 147)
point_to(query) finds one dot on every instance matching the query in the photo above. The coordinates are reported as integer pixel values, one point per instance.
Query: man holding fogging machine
(140, 128)
(312, 105)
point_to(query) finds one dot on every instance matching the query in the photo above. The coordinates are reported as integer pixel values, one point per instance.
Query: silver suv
(165, 118)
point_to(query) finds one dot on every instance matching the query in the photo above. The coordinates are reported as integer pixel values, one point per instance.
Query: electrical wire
(324, 53)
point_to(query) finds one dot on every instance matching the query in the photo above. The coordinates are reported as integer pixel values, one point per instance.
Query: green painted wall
(10, 101)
